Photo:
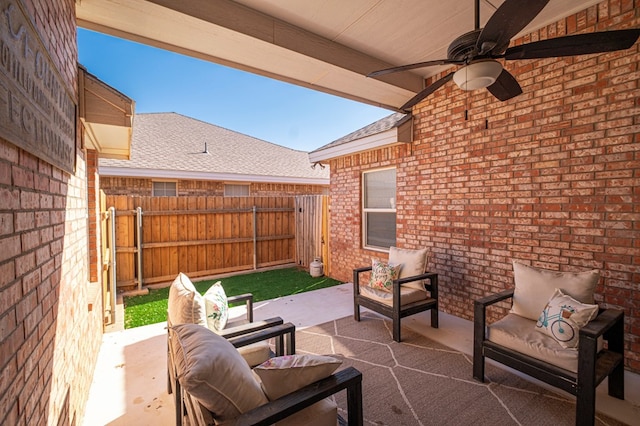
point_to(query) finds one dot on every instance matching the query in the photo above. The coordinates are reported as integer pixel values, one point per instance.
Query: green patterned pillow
(217, 307)
(383, 274)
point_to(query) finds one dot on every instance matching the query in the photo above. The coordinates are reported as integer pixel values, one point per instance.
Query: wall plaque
(37, 113)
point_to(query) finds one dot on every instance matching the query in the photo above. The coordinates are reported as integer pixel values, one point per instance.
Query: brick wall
(48, 338)
(137, 186)
(554, 181)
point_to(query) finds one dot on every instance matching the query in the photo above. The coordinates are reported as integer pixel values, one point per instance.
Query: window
(235, 190)
(164, 189)
(379, 209)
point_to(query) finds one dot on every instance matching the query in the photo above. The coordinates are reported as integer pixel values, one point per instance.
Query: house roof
(392, 129)
(171, 145)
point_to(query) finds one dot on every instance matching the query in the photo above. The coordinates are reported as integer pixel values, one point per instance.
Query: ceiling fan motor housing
(464, 46)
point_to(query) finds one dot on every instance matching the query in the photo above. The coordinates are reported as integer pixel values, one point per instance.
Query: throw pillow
(535, 286)
(212, 370)
(383, 274)
(563, 317)
(185, 304)
(216, 307)
(285, 374)
(414, 262)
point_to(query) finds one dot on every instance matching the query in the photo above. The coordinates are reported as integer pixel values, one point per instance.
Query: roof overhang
(189, 175)
(107, 117)
(402, 133)
(328, 45)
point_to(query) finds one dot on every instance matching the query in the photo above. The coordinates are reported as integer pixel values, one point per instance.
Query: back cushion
(186, 305)
(535, 286)
(414, 262)
(214, 372)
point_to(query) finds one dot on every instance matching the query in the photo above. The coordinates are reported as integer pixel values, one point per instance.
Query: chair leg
(434, 318)
(356, 311)
(586, 407)
(479, 317)
(396, 327)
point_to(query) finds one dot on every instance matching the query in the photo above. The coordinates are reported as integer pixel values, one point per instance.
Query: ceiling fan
(478, 50)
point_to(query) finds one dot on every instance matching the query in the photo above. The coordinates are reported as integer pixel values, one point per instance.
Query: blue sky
(162, 81)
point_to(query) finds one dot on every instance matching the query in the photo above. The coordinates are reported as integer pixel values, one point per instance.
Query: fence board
(202, 236)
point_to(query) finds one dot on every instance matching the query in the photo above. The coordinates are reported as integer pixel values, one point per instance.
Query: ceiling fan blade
(505, 87)
(581, 44)
(510, 18)
(427, 91)
(413, 66)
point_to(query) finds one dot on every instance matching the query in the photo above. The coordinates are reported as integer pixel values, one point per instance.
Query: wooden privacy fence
(202, 236)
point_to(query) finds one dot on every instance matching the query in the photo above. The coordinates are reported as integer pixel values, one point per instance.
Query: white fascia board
(227, 177)
(388, 137)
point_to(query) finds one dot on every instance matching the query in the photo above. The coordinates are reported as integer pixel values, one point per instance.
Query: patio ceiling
(327, 45)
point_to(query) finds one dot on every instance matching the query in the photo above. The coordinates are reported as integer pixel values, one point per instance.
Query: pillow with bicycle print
(563, 316)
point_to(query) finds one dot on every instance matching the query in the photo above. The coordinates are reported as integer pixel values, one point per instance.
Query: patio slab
(130, 381)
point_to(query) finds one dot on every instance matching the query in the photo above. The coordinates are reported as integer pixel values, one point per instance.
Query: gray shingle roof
(382, 125)
(174, 142)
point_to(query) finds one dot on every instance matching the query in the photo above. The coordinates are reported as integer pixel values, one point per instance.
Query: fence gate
(312, 230)
(107, 247)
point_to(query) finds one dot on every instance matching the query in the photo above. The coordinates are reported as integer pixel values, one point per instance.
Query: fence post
(139, 244)
(112, 267)
(255, 238)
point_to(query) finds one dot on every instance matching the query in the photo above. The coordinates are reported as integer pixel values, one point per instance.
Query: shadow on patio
(130, 381)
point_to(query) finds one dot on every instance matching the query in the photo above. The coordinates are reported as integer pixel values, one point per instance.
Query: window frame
(236, 185)
(365, 210)
(164, 189)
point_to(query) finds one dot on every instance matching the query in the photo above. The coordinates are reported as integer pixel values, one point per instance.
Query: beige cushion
(535, 286)
(563, 317)
(407, 295)
(212, 370)
(255, 353)
(519, 334)
(383, 274)
(323, 413)
(285, 374)
(216, 306)
(414, 262)
(185, 304)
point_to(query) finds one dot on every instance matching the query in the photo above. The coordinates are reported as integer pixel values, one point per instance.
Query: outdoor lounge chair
(554, 335)
(217, 386)
(251, 338)
(412, 291)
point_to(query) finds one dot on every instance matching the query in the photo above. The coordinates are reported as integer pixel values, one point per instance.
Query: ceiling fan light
(477, 75)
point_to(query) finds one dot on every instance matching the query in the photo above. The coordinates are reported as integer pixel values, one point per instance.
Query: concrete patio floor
(130, 382)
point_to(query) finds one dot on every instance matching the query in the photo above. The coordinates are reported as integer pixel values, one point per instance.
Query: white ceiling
(328, 45)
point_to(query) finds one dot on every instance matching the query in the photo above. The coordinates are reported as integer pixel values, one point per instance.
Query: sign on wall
(37, 112)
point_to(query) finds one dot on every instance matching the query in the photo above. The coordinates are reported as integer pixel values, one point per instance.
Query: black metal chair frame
(593, 366)
(397, 311)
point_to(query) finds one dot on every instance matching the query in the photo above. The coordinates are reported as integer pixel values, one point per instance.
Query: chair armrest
(494, 298)
(356, 278)
(279, 332)
(248, 299)
(239, 330)
(274, 411)
(602, 323)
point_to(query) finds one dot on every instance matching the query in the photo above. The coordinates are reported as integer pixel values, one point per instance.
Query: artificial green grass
(152, 308)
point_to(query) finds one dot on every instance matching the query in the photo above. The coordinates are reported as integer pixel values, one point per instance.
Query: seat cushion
(520, 334)
(407, 295)
(414, 262)
(213, 372)
(535, 286)
(255, 353)
(185, 304)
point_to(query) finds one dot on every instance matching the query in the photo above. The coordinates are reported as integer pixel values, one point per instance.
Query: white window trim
(365, 210)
